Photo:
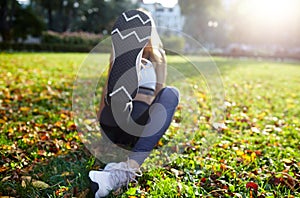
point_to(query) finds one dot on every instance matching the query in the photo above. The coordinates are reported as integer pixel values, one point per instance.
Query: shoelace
(119, 173)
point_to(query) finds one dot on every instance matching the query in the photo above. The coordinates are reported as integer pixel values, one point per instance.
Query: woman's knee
(171, 94)
(174, 90)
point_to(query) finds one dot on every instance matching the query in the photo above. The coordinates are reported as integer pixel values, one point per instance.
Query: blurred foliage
(249, 22)
(62, 42)
(173, 43)
(198, 14)
(16, 22)
(80, 15)
(215, 23)
(45, 47)
(71, 38)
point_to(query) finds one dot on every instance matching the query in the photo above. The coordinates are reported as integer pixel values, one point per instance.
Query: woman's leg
(168, 99)
(115, 133)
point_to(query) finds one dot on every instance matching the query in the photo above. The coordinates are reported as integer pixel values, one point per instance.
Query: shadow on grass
(60, 176)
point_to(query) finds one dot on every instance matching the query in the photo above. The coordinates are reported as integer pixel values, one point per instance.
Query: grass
(257, 155)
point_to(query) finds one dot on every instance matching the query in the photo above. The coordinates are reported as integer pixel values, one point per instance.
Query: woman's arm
(104, 91)
(102, 104)
(161, 71)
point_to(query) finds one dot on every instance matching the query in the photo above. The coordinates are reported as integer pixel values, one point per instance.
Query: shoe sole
(131, 33)
(94, 187)
(98, 185)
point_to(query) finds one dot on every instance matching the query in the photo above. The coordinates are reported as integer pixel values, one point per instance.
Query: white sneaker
(114, 176)
(109, 166)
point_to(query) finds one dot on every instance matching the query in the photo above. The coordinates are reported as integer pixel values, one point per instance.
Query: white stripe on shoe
(122, 88)
(136, 16)
(129, 104)
(131, 33)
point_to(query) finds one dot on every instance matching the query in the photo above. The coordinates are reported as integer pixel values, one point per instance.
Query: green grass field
(257, 155)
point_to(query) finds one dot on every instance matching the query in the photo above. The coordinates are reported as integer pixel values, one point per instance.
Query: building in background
(165, 18)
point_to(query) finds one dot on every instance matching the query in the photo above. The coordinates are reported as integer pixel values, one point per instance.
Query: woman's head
(154, 47)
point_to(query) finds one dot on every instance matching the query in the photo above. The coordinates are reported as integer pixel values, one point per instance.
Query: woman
(136, 109)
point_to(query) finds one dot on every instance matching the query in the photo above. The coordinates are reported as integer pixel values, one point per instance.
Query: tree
(17, 21)
(80, 15)
(26, 23)
(47, 9)
(198, 15)
(98, 15)
(7, 10)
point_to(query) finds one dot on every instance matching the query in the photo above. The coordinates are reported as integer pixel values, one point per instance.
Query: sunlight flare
(272, 11)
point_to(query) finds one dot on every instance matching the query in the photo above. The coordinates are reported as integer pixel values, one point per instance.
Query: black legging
(141, 140)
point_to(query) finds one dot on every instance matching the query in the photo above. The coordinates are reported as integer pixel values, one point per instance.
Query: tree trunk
(50, 19)
(61, 16)
(4, 24)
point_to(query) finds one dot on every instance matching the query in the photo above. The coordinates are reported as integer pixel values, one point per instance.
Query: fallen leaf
(40, 184)
(3, 169)
(5, 179)
(252, 185)
(25, 109)
(84, 193)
